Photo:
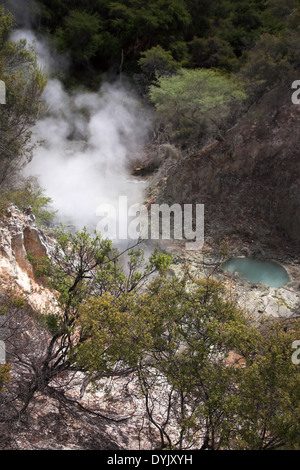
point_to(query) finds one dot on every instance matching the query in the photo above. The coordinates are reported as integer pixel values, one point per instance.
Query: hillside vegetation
(177, 361)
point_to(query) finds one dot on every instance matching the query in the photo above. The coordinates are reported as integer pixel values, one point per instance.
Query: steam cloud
(87, 142)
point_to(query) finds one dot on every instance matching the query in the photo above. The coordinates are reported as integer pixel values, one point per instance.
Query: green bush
(25, 197)
(195, 101)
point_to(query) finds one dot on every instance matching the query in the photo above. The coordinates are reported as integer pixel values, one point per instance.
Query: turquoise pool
(258, 271)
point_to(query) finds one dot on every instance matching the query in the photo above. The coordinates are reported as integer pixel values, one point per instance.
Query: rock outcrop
(21, 239)
(250, 181)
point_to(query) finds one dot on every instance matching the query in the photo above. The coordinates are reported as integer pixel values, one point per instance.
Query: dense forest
(198, 34)
(99, 36)
(209, 375)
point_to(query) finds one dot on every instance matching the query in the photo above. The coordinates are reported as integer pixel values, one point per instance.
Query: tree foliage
(28, 195)
(267, 403)
(190, 29)
(211, 378)
(195, 101)
(81, 268)
(80, 36)
(24, 82)
(157, 62)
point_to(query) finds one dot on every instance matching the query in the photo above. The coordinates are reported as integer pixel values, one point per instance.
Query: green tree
(185, 376)
(157, 62)
(82, 268)
(211, 377)
(195, 102)
(28, 195)
(213, 52)
(80, 36)
(267, 402)
(144, 24)
(25, 82)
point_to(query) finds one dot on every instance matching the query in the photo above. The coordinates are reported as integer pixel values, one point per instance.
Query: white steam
(50, 62)
(88, 140)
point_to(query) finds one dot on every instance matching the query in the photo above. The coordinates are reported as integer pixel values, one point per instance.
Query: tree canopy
(195, 102)
(207, 34)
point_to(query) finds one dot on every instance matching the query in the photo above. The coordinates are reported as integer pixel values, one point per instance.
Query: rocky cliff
(48, 425)
(250, 181)
(21, 239)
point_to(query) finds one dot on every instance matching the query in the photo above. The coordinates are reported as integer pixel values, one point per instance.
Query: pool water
(258, 271)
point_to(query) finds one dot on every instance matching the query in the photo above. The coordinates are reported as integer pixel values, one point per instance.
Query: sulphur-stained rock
(20, 254)
(21, 239)
(34, 242)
